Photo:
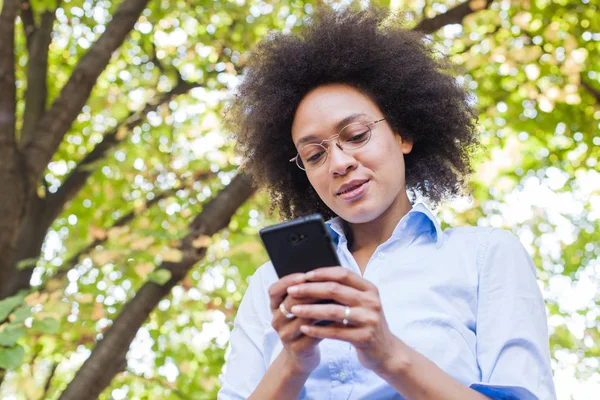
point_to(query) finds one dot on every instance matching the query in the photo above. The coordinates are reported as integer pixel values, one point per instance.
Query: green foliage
(9, 304)
(11, 358)
(47, 325)
(533, 67)
(160, 276)
(21, 314)
(10, 335)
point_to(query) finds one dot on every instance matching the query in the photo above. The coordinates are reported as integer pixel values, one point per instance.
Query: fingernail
(292, 289)
(296, 308)
(310, 274)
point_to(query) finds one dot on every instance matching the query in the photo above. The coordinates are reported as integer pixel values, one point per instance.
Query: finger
(327, 290)
(341, 275)
(278, 290)
(279, 320)
(358, 337)
(335, 312)
(290, 329)
(303, 343)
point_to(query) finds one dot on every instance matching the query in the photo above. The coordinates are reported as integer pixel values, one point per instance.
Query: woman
(347, 119)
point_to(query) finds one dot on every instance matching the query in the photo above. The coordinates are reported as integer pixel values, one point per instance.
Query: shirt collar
(418, 220)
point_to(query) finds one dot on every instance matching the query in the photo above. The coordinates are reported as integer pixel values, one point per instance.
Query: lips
(353, 184)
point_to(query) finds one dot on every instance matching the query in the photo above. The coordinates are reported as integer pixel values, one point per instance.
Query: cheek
(385, 156)
(319, 185)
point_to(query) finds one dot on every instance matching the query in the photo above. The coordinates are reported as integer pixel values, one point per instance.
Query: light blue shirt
(466, 298)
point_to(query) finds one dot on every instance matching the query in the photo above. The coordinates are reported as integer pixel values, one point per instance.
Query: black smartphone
(300, 245)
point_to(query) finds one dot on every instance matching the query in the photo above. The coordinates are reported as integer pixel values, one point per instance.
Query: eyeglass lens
(353, 136)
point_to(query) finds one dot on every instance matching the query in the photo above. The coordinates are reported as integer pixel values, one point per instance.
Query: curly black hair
(370, 51)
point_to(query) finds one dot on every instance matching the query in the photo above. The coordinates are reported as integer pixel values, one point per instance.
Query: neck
(371, 234)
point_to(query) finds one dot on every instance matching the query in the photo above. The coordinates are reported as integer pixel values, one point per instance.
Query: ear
(405, 145)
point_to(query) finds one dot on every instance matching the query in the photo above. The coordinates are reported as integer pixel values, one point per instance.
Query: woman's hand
(366, 327)
(301, 351)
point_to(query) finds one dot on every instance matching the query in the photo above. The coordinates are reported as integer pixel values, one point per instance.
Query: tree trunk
(12, 165)
(31, 234)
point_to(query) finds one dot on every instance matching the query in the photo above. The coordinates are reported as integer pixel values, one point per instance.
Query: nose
(340, 162)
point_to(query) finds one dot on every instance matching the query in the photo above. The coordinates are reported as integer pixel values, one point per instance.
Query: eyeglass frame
(331, 138)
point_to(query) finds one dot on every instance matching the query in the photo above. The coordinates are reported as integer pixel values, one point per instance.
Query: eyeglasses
(351, 137)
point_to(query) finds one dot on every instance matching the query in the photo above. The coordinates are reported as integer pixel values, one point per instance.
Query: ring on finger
(285, 312)
(346, 319)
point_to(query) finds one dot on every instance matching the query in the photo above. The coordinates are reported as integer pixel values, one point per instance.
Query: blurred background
(125, 217)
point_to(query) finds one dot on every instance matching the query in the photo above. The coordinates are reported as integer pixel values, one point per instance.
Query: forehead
(323, 108)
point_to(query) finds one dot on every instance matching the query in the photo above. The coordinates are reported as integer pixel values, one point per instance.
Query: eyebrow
(342, 123)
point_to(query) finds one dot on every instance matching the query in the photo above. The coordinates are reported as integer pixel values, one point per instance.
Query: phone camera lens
(293, 238)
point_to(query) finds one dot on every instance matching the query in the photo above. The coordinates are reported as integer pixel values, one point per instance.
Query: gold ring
(285, 312)
(346, 319)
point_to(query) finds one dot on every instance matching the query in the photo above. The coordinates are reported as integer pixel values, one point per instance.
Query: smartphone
(300, 245)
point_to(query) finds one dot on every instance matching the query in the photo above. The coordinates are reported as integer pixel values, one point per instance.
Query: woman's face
(379, 163)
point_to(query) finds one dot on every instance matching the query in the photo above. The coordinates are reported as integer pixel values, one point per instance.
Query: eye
(358, 138)
(314, 158)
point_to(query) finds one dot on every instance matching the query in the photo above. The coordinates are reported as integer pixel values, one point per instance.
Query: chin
(359, 213)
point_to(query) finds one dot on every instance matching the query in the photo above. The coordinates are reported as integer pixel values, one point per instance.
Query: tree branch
(58, 119)
(453, 16)
(98, 370)
(36, 95)
(28, 22)
(470, 45)
(124, 220)
(42, 212)
(79, 175)
(49, 379)
(167, 385)
(591, 90)
(155, 60)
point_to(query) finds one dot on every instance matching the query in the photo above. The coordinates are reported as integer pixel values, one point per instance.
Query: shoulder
(481, 236)
(471, 239)
(484, 243)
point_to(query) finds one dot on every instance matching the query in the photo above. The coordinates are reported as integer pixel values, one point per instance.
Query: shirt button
(381, 256)
(342, 376)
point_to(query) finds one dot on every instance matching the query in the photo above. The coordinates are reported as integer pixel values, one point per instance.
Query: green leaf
(9, 304)
(43, 5)
(160, 276)
(27, 263)
(47, 325)
(11, 358)
(22, 313)
(10, 335)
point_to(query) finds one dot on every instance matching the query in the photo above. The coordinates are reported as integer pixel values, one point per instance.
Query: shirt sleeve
(245, 366)
(512, 332)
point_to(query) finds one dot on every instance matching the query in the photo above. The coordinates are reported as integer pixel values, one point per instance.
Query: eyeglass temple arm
(374, 122)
